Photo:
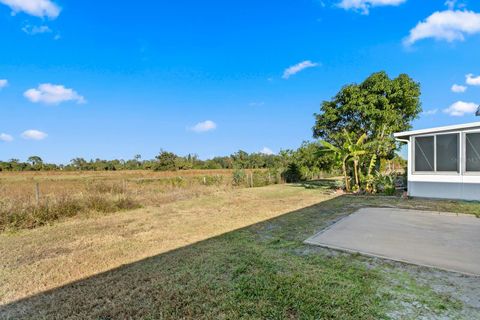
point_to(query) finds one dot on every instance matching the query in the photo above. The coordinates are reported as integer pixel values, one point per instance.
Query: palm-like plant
(355, 150)
(348, 151)
(341, 156)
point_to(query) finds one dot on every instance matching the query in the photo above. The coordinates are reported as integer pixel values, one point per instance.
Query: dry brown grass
(44, 258)
(67, 194)
(201, 266)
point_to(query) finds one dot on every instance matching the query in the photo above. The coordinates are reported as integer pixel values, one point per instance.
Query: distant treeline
(308, 161)
(308, 158)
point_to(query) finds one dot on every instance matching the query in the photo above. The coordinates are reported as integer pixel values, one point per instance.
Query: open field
(32, 199)
(226, 253)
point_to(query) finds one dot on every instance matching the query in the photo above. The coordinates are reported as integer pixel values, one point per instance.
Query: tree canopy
(377, 107)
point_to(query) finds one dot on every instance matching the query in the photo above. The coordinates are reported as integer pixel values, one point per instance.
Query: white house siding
(444, 190)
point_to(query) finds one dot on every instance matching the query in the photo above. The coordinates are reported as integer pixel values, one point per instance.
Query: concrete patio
(440, 240)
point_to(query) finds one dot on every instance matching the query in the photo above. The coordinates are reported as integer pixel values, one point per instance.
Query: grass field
(32, 199)
(228, 253)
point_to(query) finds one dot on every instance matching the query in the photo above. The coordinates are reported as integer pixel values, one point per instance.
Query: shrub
(166, 161)
(292, 173)
(260, 178)
(239, 177)
(386, 184)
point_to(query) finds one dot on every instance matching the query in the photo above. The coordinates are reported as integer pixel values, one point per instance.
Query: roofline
(437, 129)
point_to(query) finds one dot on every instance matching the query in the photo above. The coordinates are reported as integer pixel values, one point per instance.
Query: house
(444, 162)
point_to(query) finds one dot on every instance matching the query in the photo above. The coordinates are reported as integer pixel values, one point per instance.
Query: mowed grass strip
(187, 260)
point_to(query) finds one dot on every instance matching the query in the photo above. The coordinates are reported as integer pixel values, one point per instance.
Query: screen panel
(424, 153)
(472, 152)
(447, 152)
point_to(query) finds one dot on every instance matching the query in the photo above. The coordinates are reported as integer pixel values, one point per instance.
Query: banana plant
(355, 150)
(341, 156)
(348, 151)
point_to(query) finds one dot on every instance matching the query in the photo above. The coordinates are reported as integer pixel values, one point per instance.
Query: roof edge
(437, 129)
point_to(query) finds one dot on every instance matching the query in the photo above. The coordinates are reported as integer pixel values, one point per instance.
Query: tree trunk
(347, 183)
(355, 171)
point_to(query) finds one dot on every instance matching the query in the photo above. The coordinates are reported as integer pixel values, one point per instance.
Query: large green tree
(378, 107)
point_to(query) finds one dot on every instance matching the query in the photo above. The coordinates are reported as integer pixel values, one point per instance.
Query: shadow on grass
(260, 271)
(324, 184)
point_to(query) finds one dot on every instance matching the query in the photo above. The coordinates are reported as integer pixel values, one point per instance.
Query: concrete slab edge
(368, 254)
(310, 242)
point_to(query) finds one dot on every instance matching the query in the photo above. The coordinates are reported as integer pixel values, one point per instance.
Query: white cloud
(472, 80)
(204, 126)
(33, 30)
(38, 8)
(256, 104)
(430, 112)
(363, 6)
(446, 25)
(458, 88)
(290, 71)
(266, 151)
(34, 135)
(5, 137)
(3, 83)
(460, 108)
(53, 94)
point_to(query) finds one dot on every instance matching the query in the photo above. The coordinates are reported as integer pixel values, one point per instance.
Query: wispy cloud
(5, 137)
(256, 104)
(33, 30)
(452, 4)
(430, 112)
(52, 94)
(204, 126)
(458, 88)
(37, 8)
(446, 25)
(460, 108)
(3, 83)
(33, 134)
(290, 71)
(266, 150)
(363, 6)
(472, 80)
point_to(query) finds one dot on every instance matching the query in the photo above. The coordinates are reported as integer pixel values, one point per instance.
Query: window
(447, 152)
(472, 152)
(424, 153)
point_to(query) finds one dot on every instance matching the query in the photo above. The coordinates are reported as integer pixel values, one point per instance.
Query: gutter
(402, 140)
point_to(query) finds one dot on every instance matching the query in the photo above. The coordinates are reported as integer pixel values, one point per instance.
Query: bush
(166, 161)
(239, 177)
(261, 178)
(292, 174)
(386, 184)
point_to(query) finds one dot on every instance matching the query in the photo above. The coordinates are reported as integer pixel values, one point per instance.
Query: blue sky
(111, 79)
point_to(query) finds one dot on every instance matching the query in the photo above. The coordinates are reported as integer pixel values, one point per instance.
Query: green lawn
(263, 271)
